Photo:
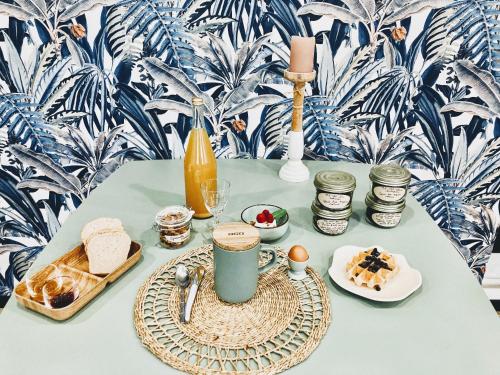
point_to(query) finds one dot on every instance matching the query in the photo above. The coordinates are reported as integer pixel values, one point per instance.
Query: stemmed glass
(215, 194)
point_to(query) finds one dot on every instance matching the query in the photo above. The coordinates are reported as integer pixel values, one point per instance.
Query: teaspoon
(182, 281)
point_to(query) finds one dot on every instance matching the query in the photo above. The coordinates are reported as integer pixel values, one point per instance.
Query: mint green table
(446, 327)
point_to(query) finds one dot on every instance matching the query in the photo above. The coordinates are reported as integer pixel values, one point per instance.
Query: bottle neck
(198, 118)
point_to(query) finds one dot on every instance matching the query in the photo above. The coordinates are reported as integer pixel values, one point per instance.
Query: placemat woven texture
(278, 328)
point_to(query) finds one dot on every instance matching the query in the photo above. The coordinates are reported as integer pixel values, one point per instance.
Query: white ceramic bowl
(266, 234)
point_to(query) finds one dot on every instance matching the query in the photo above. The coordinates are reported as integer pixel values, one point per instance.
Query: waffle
(372, 268)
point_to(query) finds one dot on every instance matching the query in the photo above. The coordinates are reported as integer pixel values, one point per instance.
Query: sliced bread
(107, 250)
(100, 225)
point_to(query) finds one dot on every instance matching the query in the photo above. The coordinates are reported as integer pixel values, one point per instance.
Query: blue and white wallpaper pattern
(87, 85)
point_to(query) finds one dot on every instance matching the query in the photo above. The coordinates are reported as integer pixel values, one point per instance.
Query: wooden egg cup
(294, 170)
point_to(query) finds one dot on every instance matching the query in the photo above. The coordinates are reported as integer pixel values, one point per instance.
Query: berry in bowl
(270, 220)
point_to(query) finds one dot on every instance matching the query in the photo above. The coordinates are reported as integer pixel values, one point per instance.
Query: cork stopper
(236, 236)
(197, 101)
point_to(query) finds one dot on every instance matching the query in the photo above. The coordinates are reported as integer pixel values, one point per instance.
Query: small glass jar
(328, 222)
(60, 292)
(334, 189)
(383, 215)
(389, 182)
(36, 277)
(174, 225)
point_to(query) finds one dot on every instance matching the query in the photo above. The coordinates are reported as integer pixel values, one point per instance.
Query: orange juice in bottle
(199, 162)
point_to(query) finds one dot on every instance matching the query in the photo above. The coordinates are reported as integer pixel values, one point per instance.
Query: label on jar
(334, 201)
(389, 193)
(386, 219)
(175, 239)
(332, 226)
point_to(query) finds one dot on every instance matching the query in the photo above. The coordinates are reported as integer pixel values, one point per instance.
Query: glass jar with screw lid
(389, 182)
(383, 215)
(334, 189)
(329, 222)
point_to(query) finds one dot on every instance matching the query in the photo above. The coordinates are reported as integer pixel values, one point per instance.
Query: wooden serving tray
(76, 265)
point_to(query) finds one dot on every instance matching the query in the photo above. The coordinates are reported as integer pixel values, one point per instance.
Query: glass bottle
(199, 162)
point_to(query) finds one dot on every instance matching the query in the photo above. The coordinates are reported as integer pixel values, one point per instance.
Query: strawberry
(266, 212)
(261, 218)
(270, 218)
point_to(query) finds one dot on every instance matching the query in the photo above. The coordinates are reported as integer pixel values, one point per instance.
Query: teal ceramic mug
(237, 251)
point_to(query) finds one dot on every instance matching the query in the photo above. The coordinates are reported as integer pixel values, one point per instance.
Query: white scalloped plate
(398, 288)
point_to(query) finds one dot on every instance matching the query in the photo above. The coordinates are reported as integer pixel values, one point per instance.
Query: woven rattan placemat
(278, 328)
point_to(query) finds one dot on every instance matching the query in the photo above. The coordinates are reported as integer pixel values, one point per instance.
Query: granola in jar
(174, 225)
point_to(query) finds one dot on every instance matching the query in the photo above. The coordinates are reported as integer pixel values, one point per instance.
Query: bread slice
(100, 225)
(107, 250)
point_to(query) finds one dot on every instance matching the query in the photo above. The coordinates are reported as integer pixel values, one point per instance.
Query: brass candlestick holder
(294, 169)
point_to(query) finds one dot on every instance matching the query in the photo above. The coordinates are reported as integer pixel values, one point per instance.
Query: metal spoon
(182, 281)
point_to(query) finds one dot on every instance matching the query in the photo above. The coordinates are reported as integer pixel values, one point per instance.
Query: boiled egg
(298, 253)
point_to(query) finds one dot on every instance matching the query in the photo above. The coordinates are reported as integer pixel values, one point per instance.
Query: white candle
(302, 54)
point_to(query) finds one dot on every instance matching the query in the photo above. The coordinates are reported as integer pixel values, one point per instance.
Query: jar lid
(236, 236)
(173, 216)
(373, 203)
(390, 174)
(327, 214)
(335, 181)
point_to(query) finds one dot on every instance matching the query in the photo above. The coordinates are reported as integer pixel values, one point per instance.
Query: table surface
(446, 327)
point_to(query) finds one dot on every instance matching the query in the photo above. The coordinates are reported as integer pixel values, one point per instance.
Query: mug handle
(271, 263)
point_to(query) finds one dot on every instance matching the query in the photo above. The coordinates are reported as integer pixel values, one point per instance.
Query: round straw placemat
(277, 329)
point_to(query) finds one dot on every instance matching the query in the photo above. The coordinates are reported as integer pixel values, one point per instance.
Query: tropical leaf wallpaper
(87, 85)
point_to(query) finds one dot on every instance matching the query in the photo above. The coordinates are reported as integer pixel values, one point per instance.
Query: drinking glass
(60, 292)
(36, 277)
(215, 194)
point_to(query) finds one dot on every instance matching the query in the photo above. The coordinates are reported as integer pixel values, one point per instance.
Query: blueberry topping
(373, 268)
(373, 263)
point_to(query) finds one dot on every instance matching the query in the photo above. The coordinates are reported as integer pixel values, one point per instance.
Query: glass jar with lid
(383, 215)
(334, 189)
(174, 225)
(389, 182)
(330, 222)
